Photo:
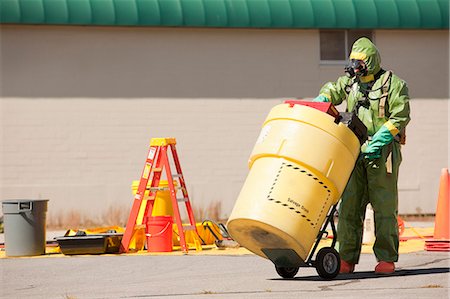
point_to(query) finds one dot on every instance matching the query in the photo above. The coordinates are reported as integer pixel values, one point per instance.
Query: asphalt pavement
(420, 274)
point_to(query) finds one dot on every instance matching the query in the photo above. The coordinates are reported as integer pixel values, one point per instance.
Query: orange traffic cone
(441, 237)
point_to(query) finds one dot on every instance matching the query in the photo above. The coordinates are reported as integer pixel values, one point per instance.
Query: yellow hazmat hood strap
(367, 79)
(358, 56)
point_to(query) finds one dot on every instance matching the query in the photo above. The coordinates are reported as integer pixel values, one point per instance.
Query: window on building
(336, 45)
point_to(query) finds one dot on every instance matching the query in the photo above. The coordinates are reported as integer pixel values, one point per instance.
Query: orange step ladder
(157, 161)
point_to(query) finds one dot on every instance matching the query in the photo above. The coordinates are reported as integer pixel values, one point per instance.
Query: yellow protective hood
(364, 49)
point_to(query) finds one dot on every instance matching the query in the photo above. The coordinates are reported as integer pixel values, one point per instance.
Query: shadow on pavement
(371, 274)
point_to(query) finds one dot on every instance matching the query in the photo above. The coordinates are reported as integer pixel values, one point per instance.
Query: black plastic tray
(90, 244)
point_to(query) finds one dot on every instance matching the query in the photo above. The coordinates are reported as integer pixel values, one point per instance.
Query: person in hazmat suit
(380, 100)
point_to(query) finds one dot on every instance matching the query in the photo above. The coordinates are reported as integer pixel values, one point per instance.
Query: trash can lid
(22, 200)
(18, 206)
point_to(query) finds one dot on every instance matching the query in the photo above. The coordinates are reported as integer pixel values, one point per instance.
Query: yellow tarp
(414, 242)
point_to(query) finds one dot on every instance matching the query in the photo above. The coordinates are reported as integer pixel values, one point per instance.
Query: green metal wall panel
(281, 13)
(409, 14)
(126, 12)
(429, 13)
(79, 12)
(32, 11)
(171, 13)
(103, 12)
(444, 9)
(345, 14)
(238, 13)
(10, 12)
(148, 12)
(367, 14)
(323, 12)
(351, 14)
(194, 13)
(388, 13)
(56, 11)
(303, 13)
(216, 14)
(259, 13)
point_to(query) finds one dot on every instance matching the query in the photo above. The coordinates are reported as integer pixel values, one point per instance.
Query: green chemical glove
(381, 138)
(321, 98)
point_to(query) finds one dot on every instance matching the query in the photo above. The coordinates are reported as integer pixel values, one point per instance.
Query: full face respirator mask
(356, 68)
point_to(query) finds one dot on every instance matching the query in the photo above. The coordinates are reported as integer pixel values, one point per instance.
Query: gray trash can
(24, 226)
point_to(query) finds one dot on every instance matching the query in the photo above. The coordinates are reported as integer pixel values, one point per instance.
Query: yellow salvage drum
(299, 167)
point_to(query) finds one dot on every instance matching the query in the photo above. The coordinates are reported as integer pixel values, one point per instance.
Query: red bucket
(159, 234)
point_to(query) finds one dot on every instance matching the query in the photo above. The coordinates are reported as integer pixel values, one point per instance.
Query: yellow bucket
(299, 168)
(161, 207)
(163, 201)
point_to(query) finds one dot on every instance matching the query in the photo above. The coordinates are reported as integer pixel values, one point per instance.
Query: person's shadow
(372, 275)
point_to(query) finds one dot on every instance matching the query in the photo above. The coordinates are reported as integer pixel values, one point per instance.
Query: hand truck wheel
(287, 272)
(328, 263)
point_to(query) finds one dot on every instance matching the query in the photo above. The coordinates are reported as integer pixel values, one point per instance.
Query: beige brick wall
(96, 62)
(84, 153)
(79, 106)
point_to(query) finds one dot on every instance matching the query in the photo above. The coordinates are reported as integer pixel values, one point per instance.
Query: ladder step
(157, 169)
(177, 175)
(189, 227)
(182, 199)
(153, 189)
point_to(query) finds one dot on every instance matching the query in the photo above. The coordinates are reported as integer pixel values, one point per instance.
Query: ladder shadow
(372, 275)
